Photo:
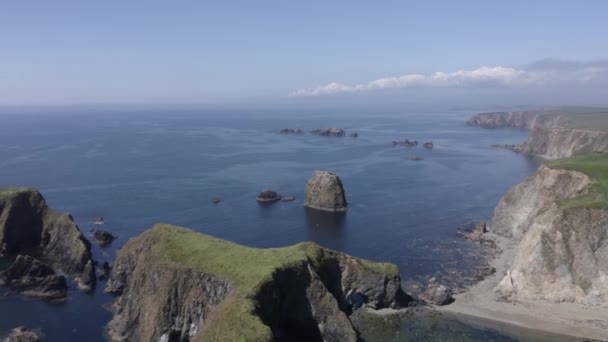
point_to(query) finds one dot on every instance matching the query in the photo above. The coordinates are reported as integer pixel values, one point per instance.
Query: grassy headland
(596, 167)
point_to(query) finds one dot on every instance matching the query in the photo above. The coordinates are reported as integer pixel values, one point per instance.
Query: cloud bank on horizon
(539, 73)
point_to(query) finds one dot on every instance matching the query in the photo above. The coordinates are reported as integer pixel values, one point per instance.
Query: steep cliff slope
(559, 218)
(179, 285)
(521, 120)
(559, 143)
(28, 225)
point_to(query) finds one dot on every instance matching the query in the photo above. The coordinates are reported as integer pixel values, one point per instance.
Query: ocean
(137, 168)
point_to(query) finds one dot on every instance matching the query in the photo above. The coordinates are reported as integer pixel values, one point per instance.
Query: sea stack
(324, 191)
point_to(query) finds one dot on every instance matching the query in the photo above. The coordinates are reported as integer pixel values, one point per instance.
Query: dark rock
(104, 270)
(324, 191)
(291, 131)
(354, 135)
(428, 144)
(406, 143)
(28, 225)
(31, 277)
(22, 334)
(329, 132)
(268, 196)
(478, 231)
(437, 294)
(216, 200)
(484, 272)
(288, 199)
(416, 158)
(103, 238)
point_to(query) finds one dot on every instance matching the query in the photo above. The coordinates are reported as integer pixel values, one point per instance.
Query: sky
(188, 52)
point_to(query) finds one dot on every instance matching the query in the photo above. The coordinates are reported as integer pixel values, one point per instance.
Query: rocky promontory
(562, 250)
(564, 142)
(324, 191)
(33, 278)
(520, 120)
(175, 285)
(29, 226)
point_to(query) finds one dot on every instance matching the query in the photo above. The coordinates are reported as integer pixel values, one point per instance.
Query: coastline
(570, 319)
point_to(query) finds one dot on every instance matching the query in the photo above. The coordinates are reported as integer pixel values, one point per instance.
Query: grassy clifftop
(596, 167)
(247, 270)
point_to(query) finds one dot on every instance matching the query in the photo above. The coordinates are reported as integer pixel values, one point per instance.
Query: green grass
(596, 167)
(245, 268)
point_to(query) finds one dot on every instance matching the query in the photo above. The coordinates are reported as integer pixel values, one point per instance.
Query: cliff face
(521, 120)
(178, 285)
(558, 143)
(562, 253)
(28, 225)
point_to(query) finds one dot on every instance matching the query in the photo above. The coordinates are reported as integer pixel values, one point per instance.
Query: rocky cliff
(558, 143)
(29, 226)
(520, 120)
(179, 285)
(562, 251)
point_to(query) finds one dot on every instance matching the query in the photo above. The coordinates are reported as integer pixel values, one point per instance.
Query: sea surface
(137, 168)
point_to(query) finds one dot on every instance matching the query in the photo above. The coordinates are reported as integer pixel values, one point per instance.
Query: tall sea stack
(324, 191)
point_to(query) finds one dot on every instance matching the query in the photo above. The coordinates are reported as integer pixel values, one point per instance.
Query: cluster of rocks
(437, 294)
(326, 132)
(45, 247)
(269, 196)
(412, 143)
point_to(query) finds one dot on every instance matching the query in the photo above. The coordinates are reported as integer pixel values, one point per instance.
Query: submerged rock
(268, 196)
(31, 277)
(22, 334)
(354, 135)
(27, 225)
(288, 199)
(103, 238)
(215, 290)
(329, 132)
(437, 294)
(416, 158)
(324, 191)
(216, 200)
(428, 144)
(98, 220)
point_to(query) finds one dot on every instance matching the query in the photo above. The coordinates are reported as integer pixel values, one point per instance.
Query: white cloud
(537, 73)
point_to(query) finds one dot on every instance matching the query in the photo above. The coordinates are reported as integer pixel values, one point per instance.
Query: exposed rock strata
(33, 278)
(521, 120)
(562, 253)
(27, 225)
(324, 191)
(558, 143)
(178, 285)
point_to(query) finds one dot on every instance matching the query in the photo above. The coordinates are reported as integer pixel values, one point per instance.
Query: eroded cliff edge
(562, 242)
(179, 285)
(29, 226)
(554, 133)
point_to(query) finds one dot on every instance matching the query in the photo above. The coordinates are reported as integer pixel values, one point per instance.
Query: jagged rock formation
(558, 143)
(562, 253)
(33, 278)
(22, 334)
(268, 196)
(103, 238)
(324, 191)
(179, 285)
(521, 120)
(437, 294)
(329, 132)
(28, 225)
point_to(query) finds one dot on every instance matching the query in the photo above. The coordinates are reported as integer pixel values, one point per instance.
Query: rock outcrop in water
(27, 226)
(103, 238)
(268, 196)
(562, 252)
(22, 334)
(329, 132)
(324, 191)
(558, 143)
(33, 278)
(521, 120)
(179, 285)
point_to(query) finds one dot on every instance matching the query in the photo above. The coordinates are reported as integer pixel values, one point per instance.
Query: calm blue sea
(138, 168)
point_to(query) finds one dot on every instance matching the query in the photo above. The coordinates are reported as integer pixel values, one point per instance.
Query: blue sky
(62, 52)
